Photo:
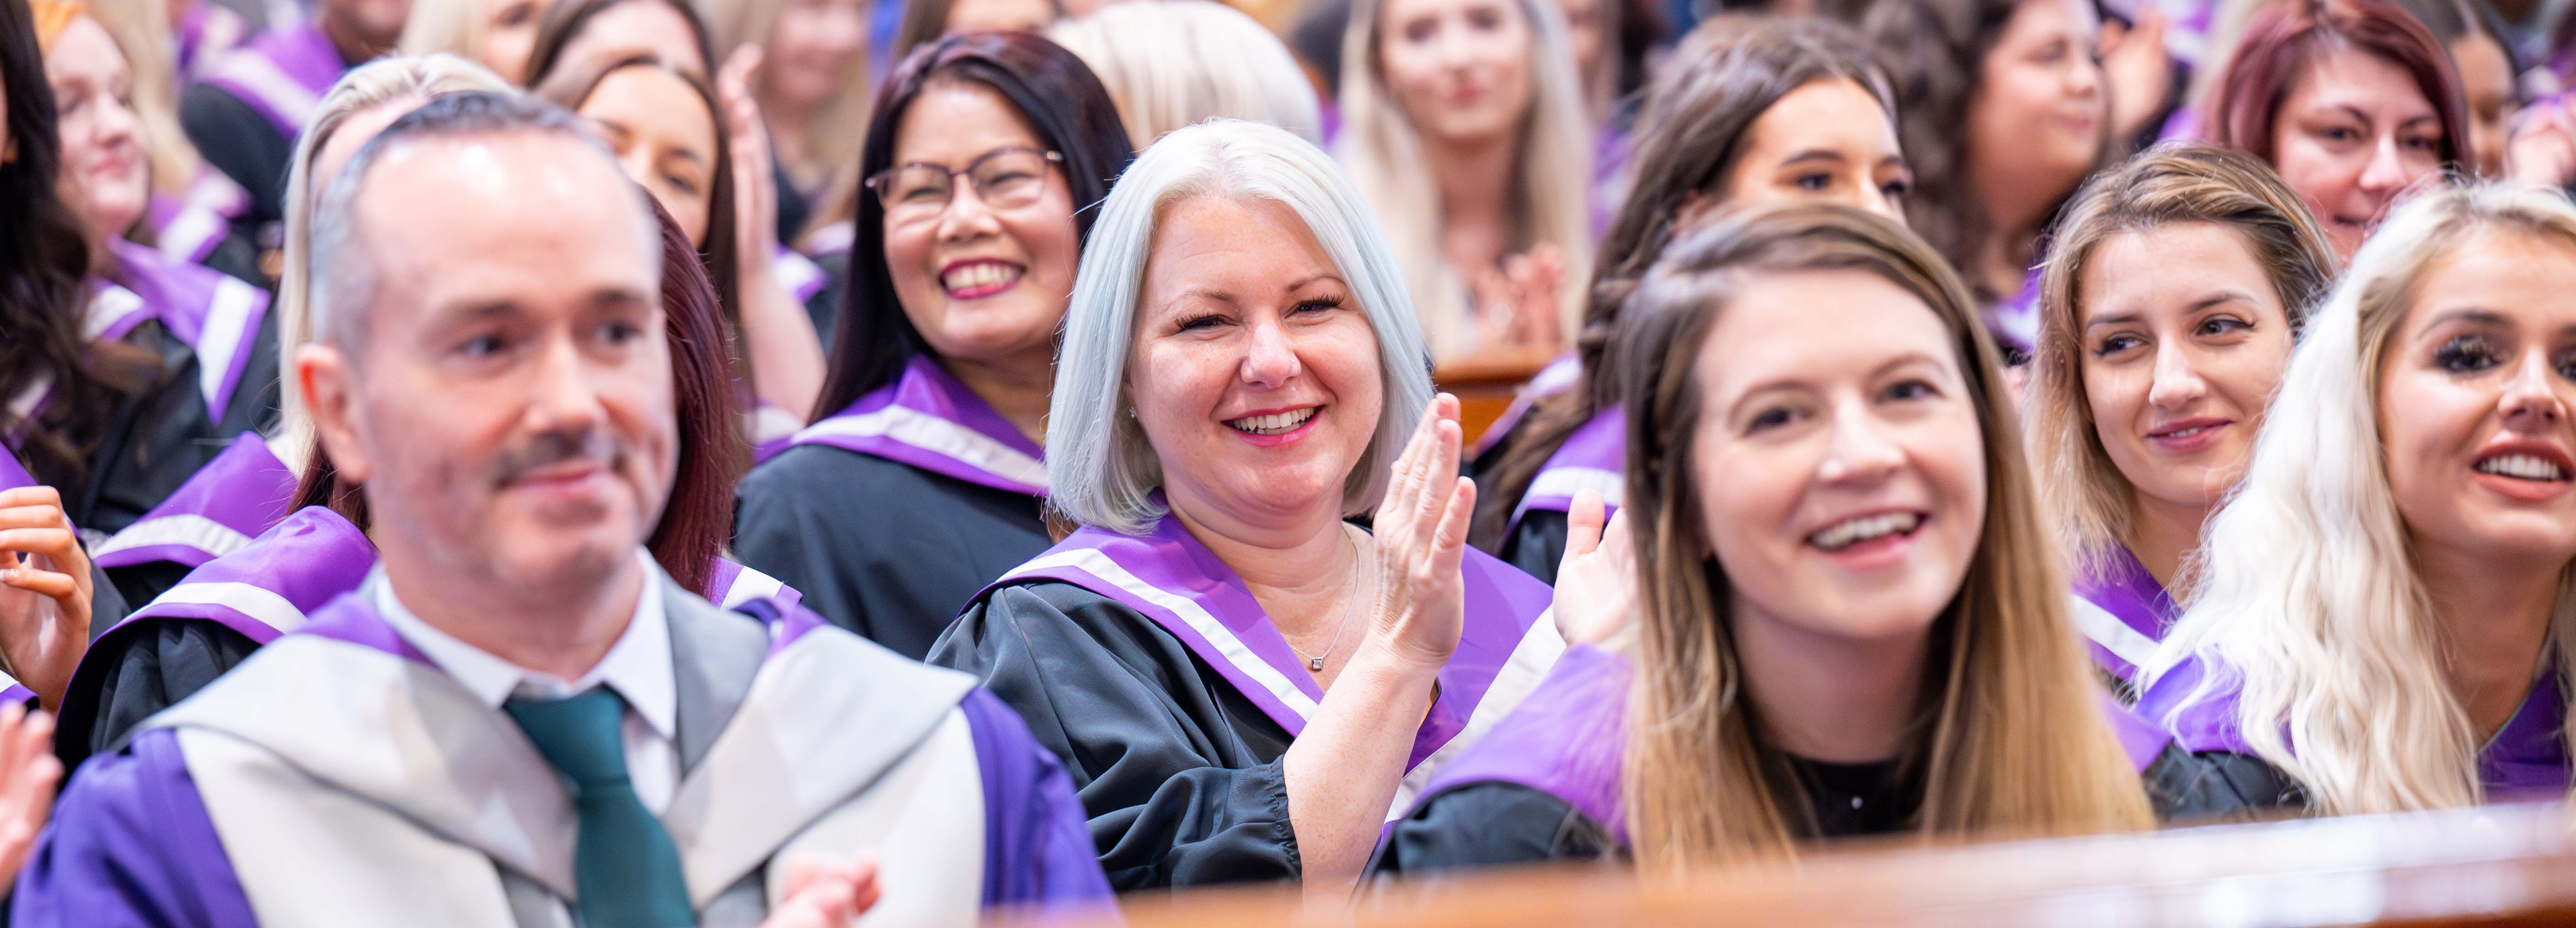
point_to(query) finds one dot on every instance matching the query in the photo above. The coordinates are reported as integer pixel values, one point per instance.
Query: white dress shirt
(637, 667)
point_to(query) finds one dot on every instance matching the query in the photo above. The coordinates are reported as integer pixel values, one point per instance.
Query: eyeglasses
(1004, 178)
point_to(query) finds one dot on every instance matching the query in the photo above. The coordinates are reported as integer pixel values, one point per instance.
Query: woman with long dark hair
(921, 479)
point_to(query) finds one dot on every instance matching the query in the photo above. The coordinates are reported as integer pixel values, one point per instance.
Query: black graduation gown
(1495, 823)
(239, 140)
(158, 438)
(1178, 770)
(149, 666)
(884, 549)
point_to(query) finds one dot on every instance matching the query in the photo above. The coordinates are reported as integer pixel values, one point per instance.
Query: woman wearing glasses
(921, 481)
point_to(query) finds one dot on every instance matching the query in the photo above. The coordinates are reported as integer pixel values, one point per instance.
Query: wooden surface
(1486, 386)
(2499, 866)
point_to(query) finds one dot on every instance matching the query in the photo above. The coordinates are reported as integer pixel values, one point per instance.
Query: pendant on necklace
(1315, 664)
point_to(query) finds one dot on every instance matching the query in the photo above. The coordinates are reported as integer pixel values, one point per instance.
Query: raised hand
(45, 592)
(1596, 581)
(2138, 70)
(755, 189)
(2542, 150)
(1421, 538)
(825, 894)
(1516, 306)
(28, 774)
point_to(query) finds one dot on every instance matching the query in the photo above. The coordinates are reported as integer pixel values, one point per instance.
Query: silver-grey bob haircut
(1100, 469)
(345, 276)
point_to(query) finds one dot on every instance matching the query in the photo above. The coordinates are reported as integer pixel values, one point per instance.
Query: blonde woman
(248, 487)
(1850, 621)
(812, 86)
(2177, 286)
(2386, 621)
(498, 34)
(1463, 124)
(1179, 62)
(190, 216)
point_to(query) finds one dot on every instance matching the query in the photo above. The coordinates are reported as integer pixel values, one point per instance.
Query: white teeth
(1850, 532)
(980, 274)
(2522, 467)
(2187, 433)
(1275, 423)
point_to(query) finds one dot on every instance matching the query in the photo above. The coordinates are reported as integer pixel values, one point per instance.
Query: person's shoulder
(805, 469)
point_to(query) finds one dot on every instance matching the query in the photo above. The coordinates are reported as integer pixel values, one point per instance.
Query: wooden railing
(1485, 386)
(2497, 866)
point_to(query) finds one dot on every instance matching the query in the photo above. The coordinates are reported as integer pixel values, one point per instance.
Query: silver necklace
(1350, 604)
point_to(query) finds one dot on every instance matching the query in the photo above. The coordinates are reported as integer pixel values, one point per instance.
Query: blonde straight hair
(382, 82)
(2309, 597)
(2080, 490)
(1384, 155)
(2011, 738)
(1173, 63)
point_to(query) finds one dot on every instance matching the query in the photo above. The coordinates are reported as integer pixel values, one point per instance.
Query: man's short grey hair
(345, 276)
(1100, 468)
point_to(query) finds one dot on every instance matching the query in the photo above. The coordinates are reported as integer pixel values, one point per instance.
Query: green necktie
(624, 864)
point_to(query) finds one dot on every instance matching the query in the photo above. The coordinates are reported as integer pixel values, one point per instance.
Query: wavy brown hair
(1723, 77)
(2010, 740)
(2080, 490)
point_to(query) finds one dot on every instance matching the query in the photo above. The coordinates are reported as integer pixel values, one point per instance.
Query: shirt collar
(637, 667)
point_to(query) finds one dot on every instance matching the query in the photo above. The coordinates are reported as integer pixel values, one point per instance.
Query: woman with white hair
(2386, 621)
(1463, 124)
(1241, 682)
(1173, 63)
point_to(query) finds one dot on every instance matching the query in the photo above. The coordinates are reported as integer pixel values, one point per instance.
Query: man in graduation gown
(517, 718)
(249, 104)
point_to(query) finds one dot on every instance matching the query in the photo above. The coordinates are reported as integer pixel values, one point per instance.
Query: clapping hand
(28, 773)
(45, 591)
(1517, 308)
(823, 894)
(1421, 538)
(1596, 582)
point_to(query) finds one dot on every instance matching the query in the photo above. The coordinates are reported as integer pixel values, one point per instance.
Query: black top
(1536, 543)
(824, 307)
(883, 549)
(135, 671)
(239, 140)
(1178, 771)
(1491, 823)
(159, 438)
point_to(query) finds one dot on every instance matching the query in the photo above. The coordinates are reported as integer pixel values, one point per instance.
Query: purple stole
(283, 74)
(1594, 457)
(274, 583)
(12, 476)
(2123, 613)
(1569, 739)
(2014, 321)
(797, 273)
(2527, 757)
(204, 31)
(1556, 376)
(928, 420)
(188, 224)
(1505, 647)
(216, 316)
(243, 492)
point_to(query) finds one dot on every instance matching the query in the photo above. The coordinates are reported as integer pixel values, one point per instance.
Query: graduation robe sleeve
(148, 666)
(131, 844)
(884, 549)
(1178, 773)
(1489, 824)
(1037, 850)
